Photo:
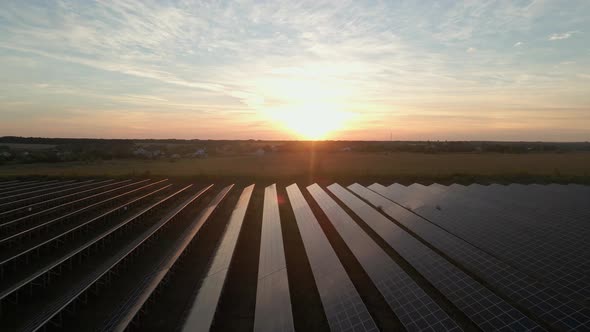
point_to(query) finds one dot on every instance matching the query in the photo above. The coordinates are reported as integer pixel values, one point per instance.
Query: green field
(449, 167)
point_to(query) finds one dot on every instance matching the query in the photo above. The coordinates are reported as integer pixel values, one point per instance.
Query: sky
(283, 69)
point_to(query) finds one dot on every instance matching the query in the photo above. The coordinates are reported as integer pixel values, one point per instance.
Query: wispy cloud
(223, 60)
(563, 35)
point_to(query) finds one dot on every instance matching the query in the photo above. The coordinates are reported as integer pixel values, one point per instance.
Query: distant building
(260, 152)
(141, 152)
(200, 153)
(346, 149)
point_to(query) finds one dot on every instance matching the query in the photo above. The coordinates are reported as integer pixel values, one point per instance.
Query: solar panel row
(33, 210)
(38, 314)
(503, 257)
(139, 296)
(538, 299)
(27, 185)
(541, 237)
(342, 304)
(35, 270)
(542, 246)
(18, 194)
(7, 182)
(482, 306)
(25, 228)
(202, 312)
(414, 308)
(273, 302)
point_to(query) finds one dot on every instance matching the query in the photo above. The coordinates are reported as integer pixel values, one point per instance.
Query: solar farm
(158, 255)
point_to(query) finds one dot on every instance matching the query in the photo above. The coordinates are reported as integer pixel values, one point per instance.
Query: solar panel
(11, 285)
(562, 313)
(122, 319)
(342, 304)
(397, 185)
(410, 197)
(414, 308)
(543, 246)
(570, 200)
(482, 306)
(23, 186)
(45, 188)
(38, 208)
(439, 186)
(10, 182)
(273, 301)
(433, 189)
(38, 313)
(396, 189)
(202, 312)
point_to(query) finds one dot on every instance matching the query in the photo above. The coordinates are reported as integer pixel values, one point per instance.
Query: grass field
(26, 146)
(572, 167)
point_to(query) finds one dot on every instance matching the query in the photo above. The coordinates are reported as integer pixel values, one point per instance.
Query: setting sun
(305, 104)
(310, 122)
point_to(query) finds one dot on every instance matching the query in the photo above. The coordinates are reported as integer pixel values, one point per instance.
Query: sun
(312, 122)
(306, 101)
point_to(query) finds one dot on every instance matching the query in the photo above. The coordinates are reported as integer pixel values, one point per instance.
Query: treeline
(39, 149)
(472, 146)
(435, 146)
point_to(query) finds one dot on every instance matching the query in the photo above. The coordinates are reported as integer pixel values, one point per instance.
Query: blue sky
(474, 70)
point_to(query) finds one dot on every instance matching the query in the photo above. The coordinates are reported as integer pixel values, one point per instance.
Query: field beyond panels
(413, 166)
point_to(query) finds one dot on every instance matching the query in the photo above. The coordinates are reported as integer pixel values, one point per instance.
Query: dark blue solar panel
(482, 306)
(201, 314)
(563, 313)
(414, 308)
(343, 306)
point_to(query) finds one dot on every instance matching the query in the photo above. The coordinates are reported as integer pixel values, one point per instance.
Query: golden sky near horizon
(355, 70)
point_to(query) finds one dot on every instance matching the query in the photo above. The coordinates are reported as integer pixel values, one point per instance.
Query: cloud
(228, 57)
(560, 36)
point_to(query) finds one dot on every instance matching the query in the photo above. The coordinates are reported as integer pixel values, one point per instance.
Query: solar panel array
(202, 312)
(527, 237)
(415, 309)
(343, 306)
(486, 309)
(114, 255)
(273, 302)
(547, 304)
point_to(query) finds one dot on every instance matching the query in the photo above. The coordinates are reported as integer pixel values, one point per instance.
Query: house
(260, 152)
(141, 152)
(200, 153)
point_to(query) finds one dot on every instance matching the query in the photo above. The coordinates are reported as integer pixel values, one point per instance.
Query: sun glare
(312, 122)
(306, 101)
